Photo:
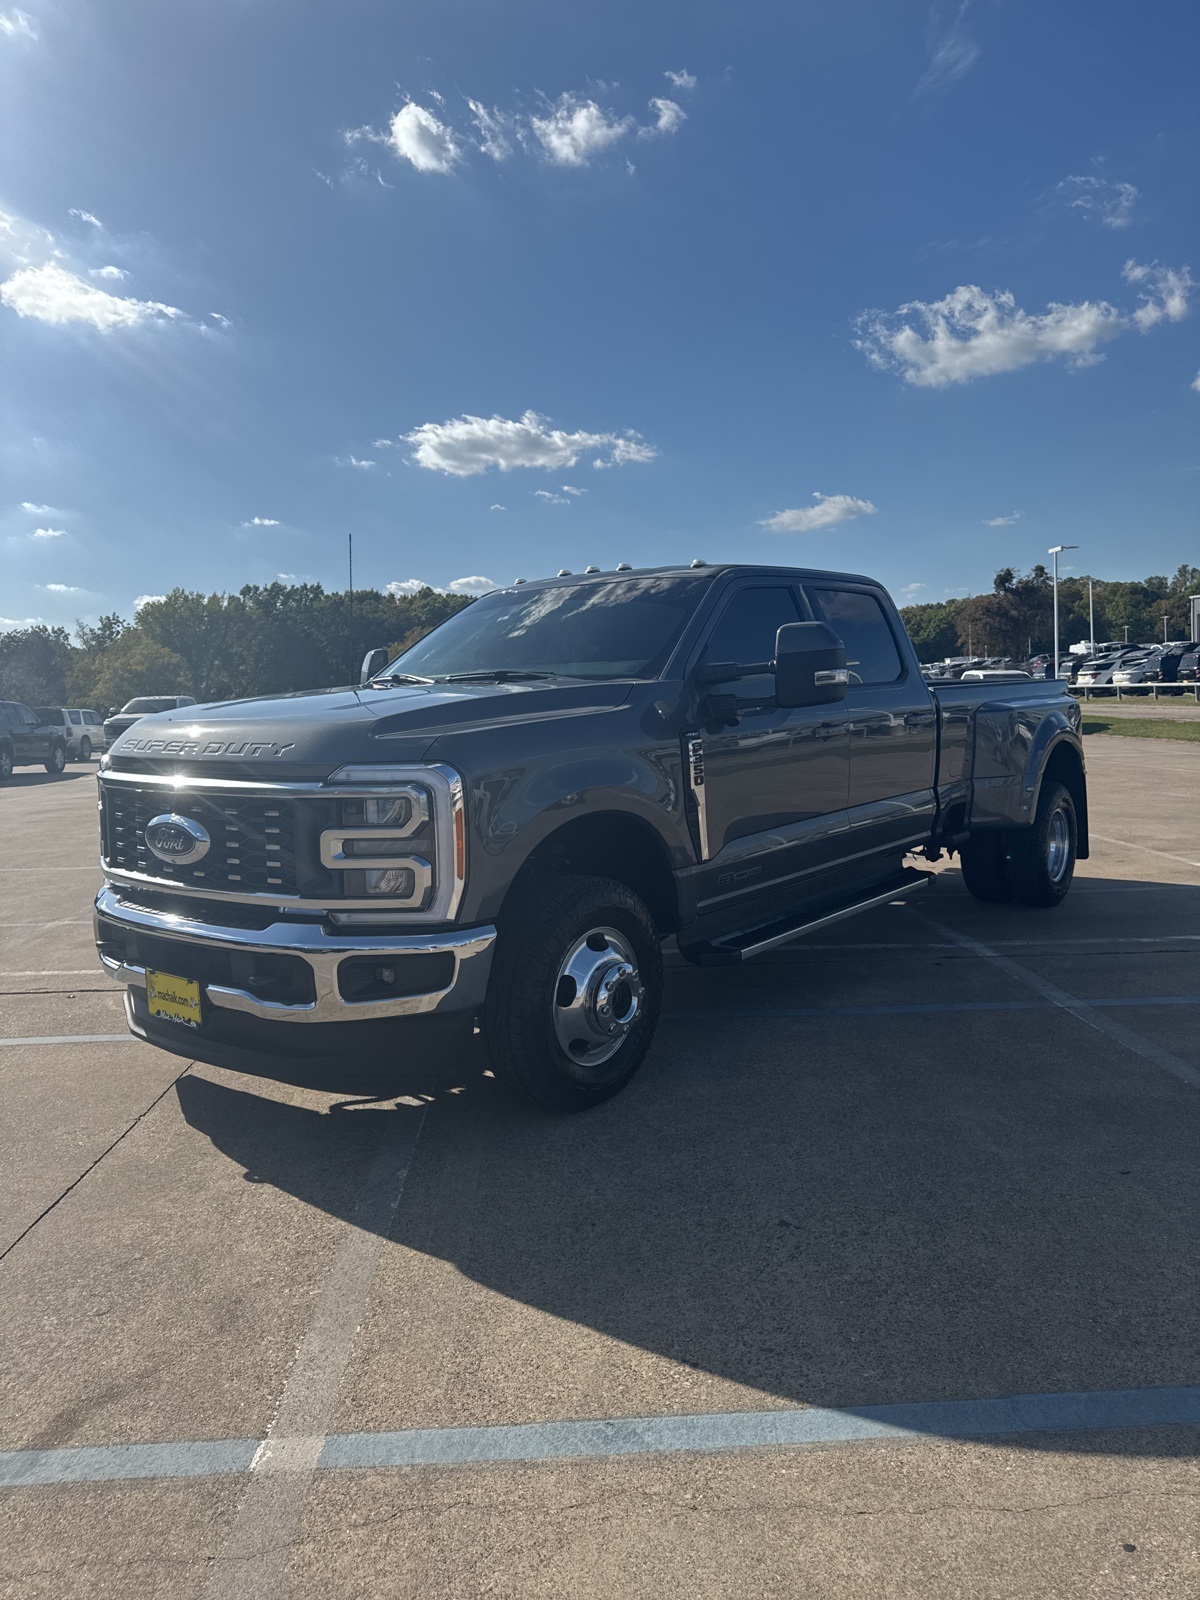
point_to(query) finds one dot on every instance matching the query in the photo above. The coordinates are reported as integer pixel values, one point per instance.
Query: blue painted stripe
(199, 1458)
(812, 1427)
(758, 1430)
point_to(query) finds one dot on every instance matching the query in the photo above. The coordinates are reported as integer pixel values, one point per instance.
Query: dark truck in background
(506, 823)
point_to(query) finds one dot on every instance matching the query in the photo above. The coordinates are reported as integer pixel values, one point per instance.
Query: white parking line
(57, 972)
(77, 1038)
(260, 1537)
(1082, 1010)
(1127, 844)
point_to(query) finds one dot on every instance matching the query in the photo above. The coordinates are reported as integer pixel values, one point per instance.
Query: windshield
(149, 704)
(621, 629)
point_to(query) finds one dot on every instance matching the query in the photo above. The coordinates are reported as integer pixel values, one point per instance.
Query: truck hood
(310, 734)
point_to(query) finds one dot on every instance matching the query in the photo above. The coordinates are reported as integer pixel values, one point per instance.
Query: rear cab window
(860, 621)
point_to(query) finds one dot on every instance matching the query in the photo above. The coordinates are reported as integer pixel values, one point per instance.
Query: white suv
(83, 730)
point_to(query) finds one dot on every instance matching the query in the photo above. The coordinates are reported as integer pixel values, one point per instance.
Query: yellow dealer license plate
(176, 999)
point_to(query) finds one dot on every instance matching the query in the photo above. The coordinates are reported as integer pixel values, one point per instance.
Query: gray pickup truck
(506, 823)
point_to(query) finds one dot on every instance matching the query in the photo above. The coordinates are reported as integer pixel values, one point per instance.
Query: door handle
(919, 719)
(828, 730)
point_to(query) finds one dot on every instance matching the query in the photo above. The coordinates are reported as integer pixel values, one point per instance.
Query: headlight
(402, 844)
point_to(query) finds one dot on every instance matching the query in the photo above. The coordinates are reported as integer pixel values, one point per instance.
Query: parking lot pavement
(754, 1327)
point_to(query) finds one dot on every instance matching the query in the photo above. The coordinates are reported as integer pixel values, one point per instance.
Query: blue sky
(499, 289)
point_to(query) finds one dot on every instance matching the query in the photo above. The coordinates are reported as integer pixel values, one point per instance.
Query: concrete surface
(879, 1167)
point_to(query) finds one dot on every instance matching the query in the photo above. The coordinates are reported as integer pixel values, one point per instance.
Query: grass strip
(1143, 728)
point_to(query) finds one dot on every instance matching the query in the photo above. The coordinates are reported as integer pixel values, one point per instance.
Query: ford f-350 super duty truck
(506, 823)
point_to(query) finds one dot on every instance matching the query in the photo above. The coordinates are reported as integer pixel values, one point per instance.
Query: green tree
(34, 663)
(932, 628)
(133, 665)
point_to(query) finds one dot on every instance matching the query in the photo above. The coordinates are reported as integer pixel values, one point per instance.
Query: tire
(564, 948)
(985, 866)
(6, 764)
(1041, 859)
(85, 749)
(57, 760)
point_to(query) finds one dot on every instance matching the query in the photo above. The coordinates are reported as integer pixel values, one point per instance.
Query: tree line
(263, 640)
(280, 637)
(1017, 618)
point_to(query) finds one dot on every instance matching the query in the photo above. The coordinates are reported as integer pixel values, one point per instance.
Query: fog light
(400, 882)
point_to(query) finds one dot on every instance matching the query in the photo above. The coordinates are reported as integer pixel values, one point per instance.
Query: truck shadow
(828, 1210)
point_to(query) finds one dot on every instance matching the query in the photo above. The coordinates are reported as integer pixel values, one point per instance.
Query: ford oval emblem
(176, 838)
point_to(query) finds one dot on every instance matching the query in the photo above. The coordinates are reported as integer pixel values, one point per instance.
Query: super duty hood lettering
(253, 749)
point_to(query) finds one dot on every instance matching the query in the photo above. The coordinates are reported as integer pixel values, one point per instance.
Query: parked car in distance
(26, 740)
(1189, 666)
(83, 730)
(146, 705)
(1099, 671)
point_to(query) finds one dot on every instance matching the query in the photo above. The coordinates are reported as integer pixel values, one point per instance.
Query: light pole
(1056, 550)
(1091, 618)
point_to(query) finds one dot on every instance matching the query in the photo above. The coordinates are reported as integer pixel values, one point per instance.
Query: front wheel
(1041, 859)
(56, 761)
(575, 992)
(6, 765)
(85, 749)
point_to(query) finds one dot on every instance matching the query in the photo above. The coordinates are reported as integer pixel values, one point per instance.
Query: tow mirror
(810, 665)
(373, 664)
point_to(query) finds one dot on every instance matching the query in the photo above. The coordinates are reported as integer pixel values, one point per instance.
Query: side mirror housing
(373, 663)
(810, 665)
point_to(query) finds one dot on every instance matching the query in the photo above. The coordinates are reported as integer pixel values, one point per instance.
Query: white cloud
(671, 118)
(576, 130)
(261, 522)
(829, 510)
(912, 590)
(1196, 383)
(49, 533)
(52, 294)
(17, 25)
(61, 588)
(568, 488)
(147, 600)
(973, 334)
(498, 507)
(472, 586)
(221, 322)
(1003, 522)
(1165, 297)
(469, 445)
(1111, 202)
(36, 510)
(21, 622)
(85, 216)
(114, 273)
(551, 499)
(952, 51)
(417, 136)
(495, 130)
(683, 79)
(363, 463)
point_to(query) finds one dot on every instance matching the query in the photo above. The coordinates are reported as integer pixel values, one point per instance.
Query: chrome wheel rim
(1058, 847)
(597, 997)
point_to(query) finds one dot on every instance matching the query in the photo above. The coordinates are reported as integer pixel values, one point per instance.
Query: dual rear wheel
(1030, 866)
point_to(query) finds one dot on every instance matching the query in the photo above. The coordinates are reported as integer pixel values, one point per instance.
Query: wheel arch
(606, 844)
(1064, 765)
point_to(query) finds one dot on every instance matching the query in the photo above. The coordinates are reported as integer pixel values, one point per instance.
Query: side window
(861, 623)
(76, 717)
(28, 717)
(746, 628)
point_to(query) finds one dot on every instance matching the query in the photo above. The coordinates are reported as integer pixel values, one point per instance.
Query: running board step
(733, 948)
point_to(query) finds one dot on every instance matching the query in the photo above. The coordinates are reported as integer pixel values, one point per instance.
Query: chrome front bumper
(471, 948)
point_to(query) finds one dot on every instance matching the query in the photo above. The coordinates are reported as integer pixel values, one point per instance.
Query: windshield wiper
(399, 677)
(494, 675)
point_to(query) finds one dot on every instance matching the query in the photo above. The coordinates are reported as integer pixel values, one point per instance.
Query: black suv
(25, 740)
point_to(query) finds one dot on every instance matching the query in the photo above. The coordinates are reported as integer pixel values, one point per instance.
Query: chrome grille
(253, 848)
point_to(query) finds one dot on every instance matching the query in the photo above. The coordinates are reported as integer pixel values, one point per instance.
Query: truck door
(892, 723)
(771, 795)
